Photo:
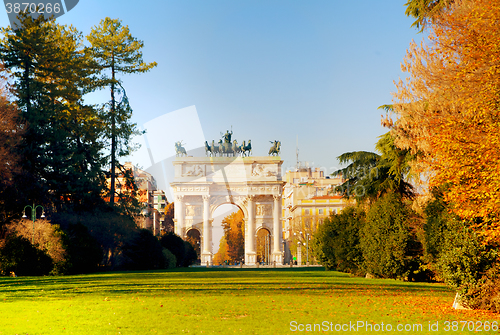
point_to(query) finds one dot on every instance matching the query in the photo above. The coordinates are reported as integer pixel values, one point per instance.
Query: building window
(306, 211)
(320, 211)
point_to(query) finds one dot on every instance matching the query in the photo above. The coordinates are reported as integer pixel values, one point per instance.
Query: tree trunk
(113, 134)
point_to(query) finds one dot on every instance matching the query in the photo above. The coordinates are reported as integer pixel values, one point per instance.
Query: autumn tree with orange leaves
(448, 111)
(234, 237)
(11, 131)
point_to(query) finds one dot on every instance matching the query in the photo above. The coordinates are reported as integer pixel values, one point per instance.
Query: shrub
(190, 255)
(18, 255)
(143, 252)
(459, 256)
(175, 244)
(47, 237)
(467, 265)
(111, 230)
(170, 261)
(84, 254)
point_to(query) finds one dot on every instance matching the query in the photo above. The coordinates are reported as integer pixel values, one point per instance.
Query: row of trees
(63, 145)
(443, 139)
(393, 232)
(58, 151)
(380, 234)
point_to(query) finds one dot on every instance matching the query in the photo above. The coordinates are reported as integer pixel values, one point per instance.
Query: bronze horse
(275, 149)
(179, 149)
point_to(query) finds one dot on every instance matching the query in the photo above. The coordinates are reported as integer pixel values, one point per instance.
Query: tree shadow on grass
(209, 281)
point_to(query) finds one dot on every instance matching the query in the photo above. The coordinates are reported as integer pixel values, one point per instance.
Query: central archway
(252, 183)
(229, 228)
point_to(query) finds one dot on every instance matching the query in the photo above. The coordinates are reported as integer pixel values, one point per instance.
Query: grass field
(226, 301)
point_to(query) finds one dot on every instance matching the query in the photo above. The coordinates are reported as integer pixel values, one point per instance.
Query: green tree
(369, 175)
(436, 225)
(129, 194)
(389, 241)
(469, 266)
(190, 256)
(336, 243)
(115, 51)
(60, 148)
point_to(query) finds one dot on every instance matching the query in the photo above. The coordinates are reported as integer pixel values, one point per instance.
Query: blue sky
(273, 70)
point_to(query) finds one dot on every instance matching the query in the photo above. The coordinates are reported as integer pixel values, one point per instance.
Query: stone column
(206, 255)
(277, 234)
(250, 254)
(179, 214)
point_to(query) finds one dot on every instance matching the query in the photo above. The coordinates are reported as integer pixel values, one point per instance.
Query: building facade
(153, 200)
(308, 198)
(160, 202)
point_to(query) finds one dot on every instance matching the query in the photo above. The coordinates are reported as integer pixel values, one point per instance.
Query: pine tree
(60, 149)
(115, 51)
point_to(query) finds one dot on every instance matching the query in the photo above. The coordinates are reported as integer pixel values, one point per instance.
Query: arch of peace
(254, 184)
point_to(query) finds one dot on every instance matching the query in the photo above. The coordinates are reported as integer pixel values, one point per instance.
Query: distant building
(153, 200)
(308, 198)
(159, 203)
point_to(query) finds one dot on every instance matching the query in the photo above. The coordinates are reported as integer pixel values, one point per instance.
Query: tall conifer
(115, 51)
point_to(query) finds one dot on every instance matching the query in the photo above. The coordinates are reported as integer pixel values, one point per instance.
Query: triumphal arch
(253, 184)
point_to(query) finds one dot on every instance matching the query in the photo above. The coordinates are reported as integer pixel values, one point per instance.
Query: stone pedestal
(250, 258)
(278, 257)
(206, 259)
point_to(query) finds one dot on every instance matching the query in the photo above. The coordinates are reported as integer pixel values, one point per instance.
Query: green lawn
(225, 301)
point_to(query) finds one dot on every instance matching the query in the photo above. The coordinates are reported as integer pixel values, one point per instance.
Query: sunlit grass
(248, 301)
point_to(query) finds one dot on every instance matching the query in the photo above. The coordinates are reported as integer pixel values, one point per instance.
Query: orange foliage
(10, 136)
(234, 235)
(221, 256)
(448, 110)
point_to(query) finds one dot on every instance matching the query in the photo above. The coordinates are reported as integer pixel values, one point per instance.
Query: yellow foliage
(448, 110)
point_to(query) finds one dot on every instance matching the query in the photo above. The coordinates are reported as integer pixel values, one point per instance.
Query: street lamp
(299, 253)
(284, 251)
(33, 217)
(307, 246)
